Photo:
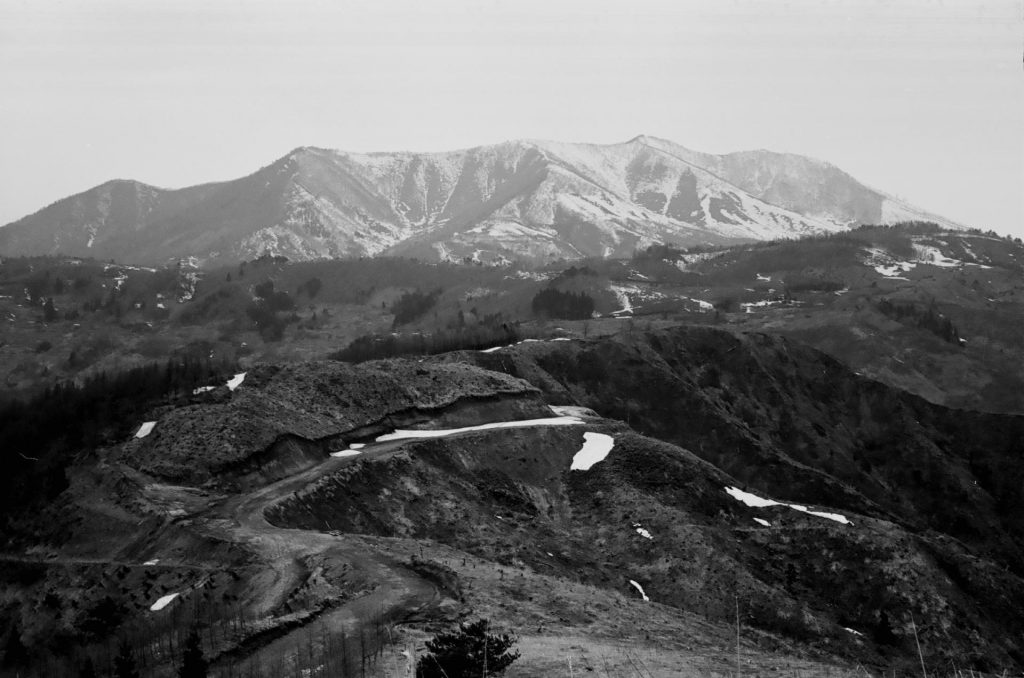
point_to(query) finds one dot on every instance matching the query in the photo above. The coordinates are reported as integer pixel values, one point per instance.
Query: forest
(40, 436)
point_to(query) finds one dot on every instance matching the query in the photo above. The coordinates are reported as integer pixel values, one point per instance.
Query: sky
(921, 99)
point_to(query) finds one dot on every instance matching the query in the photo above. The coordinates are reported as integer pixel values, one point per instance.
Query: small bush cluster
(554, 303)
(928, 318)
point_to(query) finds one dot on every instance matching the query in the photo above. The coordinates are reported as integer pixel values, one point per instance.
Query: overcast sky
(924, 100)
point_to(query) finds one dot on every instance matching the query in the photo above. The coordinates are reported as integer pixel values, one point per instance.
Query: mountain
(538, 200)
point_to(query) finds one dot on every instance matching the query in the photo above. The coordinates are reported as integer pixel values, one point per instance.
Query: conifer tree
(468, 652)
(124, 662)
(15, 653)
(87, 670)
(193, 664)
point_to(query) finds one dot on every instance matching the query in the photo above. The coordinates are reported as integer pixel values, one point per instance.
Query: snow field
(754, 501)
(596, 447)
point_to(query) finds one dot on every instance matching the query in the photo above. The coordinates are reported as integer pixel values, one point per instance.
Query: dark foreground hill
(231, 514)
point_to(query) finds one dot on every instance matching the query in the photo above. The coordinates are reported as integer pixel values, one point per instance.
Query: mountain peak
(487, 203)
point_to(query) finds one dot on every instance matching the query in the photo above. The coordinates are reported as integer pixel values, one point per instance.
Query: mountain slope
(277, 520)
(533, 199)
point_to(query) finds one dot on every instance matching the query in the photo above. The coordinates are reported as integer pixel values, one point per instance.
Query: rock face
(532, 199)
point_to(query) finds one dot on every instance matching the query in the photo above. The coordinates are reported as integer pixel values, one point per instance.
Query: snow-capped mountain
(534, 199)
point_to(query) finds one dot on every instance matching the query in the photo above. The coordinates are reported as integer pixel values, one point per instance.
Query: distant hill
(535, 200)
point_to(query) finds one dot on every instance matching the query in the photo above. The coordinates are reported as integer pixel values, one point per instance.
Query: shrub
(928, 318)
(568, 305)
(373, 346)
(193, 664)
(311, 287)
(413, 305)
(726, 305)
(469, 651)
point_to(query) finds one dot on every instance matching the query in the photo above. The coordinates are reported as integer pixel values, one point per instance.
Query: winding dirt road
(397, 593)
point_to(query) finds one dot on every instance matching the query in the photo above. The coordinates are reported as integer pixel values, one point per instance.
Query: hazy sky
(924, 100)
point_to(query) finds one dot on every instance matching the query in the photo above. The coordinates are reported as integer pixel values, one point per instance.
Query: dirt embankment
(283, 419)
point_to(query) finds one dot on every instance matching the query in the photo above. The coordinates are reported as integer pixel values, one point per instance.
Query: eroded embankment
(283, 419)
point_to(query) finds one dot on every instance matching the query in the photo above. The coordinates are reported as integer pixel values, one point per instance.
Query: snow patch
(145, 429)
(202, 389)
(495, 349)
(572, 411)
(152, 562)
(749, 306)
(754, 501)
(641, 590)
(596, 447)
(441, 433)
(887, 265)
(236, 381)
(762, 521)
(346, 453)
(927, 254)
(749, 499)
(642, 531)
(163, 602)
(622, 294)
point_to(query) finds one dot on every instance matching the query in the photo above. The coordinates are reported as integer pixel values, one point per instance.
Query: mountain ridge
(528, 199)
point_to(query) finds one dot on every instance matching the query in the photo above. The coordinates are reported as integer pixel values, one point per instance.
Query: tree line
(40, 436)
(376, 346)
(928, 318)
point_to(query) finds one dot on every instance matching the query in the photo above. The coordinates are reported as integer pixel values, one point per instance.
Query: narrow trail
(398, 592)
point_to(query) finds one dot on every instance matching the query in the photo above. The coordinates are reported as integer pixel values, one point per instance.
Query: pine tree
(49, 311)
(124, 662)
(87, 670)
(469, 652)
(193, 664)
(15, 653)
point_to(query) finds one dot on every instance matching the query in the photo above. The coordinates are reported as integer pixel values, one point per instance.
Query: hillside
(533, 200)
(287, 518)
(924, 309)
